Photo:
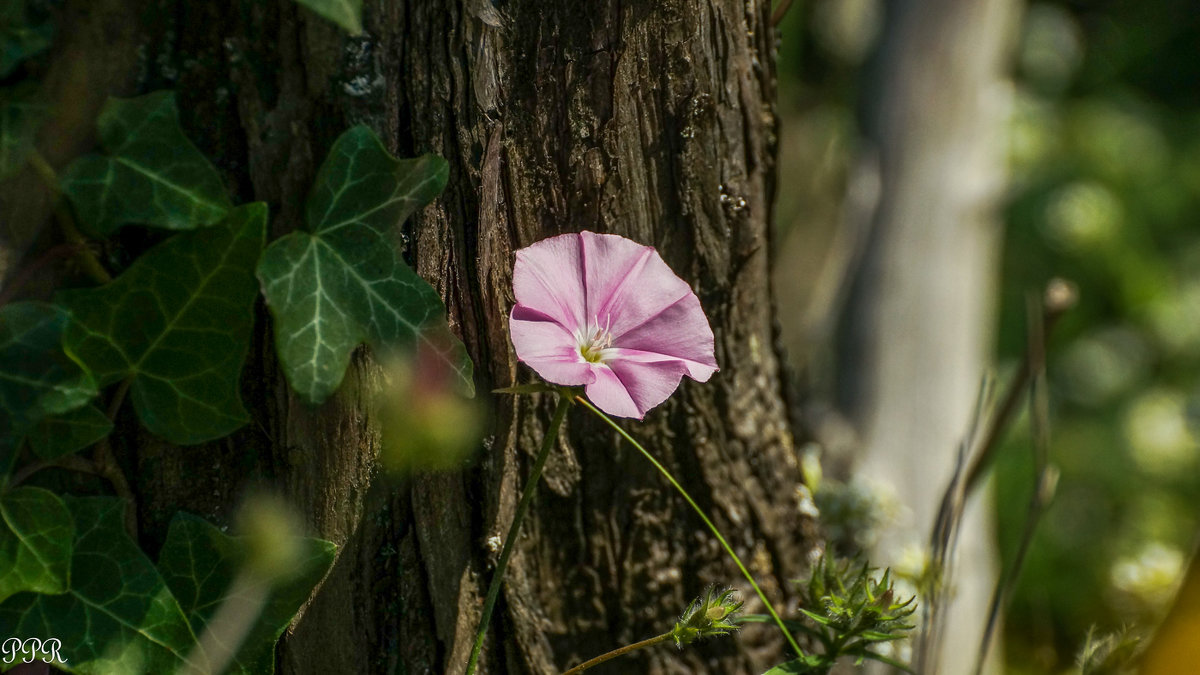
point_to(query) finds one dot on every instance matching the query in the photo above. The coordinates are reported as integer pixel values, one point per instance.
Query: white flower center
(595, 341)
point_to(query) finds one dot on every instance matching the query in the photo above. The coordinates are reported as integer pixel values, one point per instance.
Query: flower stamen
(595, 341)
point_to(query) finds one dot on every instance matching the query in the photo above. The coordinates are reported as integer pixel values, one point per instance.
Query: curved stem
(713, 528)
(618, 652)
(106, 461)
(514, 529)
(86, 258)
(70, 462)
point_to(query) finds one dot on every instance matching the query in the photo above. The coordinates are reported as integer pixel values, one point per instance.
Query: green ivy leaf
(20, 116)
(345, 283)
(118, 615)
(36, 378)
(345, 13)
(70, 432)
(35, 542)
(179, 323)
(199, 564)
(19, 37)
(152, 174)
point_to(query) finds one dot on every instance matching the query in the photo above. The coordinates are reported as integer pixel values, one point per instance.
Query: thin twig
(1059, 297)
(618, 652)
(1045, 479)
(943, 540)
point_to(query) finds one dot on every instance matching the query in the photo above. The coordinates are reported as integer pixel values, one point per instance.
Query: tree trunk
(651, 120)
(921, 311)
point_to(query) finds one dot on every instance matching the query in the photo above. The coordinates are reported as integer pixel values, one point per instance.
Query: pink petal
(611, 396)
(548, 277)
(679, 331)
(627, 283)
(625, 297)
(629, 389)
(544, 345)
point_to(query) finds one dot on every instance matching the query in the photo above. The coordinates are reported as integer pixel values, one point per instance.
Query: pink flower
(602, 311)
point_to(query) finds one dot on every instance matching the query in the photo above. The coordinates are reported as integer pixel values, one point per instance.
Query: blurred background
(1096, 180)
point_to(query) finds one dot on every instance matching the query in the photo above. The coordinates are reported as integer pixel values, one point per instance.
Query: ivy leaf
(199, 564)
(344, 283)
(118, 615)
(178, 322)
(152, 174)
(36, 378)
(20, 117)
(35, 542)
(71, 432)
(345, 13)
(20, 38)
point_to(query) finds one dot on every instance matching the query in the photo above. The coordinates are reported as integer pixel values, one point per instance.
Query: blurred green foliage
(1105, 191)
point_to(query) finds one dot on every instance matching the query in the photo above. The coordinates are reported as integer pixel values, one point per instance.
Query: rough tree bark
(653, 120)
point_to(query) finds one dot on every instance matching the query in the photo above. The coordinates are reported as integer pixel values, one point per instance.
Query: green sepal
(876, 656)
(819, 618)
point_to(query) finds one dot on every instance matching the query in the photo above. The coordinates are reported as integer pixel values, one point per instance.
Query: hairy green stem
(713, 528)
(618, 652)
(489, 602)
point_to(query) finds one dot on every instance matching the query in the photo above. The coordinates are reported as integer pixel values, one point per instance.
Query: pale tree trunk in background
(654, 120)
(920, 325)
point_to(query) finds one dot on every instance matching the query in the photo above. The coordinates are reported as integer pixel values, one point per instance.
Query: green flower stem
(531, 484)
(713, 528)
(618, 652)
(88, 261)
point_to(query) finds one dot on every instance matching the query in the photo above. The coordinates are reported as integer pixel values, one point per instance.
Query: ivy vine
(170, 334)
